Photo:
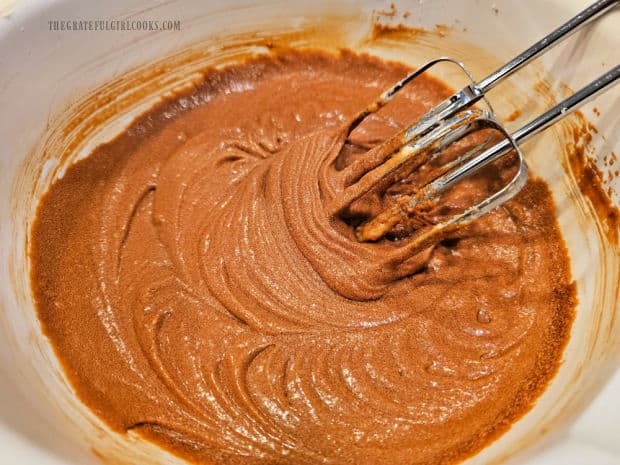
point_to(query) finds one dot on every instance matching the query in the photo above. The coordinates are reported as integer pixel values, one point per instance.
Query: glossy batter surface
(197, 292)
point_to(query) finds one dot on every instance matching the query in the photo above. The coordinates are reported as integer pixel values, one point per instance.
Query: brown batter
(197, 292)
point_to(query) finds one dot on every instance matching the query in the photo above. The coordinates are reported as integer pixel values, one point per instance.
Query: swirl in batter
(196, 291)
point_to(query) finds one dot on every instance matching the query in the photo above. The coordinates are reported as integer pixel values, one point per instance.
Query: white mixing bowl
(48, 77)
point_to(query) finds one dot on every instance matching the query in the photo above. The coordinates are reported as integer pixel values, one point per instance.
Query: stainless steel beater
(451, 121)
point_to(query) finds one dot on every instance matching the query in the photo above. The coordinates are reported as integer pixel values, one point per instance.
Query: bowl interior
(49, 79)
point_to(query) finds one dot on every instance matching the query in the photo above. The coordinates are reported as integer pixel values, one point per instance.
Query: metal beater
(449, 122)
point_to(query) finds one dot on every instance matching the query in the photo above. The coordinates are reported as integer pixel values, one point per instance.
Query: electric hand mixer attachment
(445, 125)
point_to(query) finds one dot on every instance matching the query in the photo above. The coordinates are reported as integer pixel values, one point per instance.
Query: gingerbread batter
(198, 293)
